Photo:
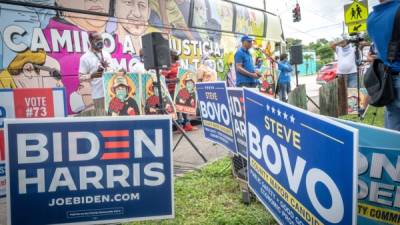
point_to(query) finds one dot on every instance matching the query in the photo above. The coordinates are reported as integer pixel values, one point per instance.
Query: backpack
(377, 80)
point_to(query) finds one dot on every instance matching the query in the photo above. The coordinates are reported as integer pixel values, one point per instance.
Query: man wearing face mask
(91, 68)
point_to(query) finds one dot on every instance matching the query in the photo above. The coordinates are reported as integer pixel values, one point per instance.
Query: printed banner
(150, 96)
(89, 170)
(215, 114)
(27, 103)
(352, 96)
(185, 92)
(267, 80)
(236, 102)
(123, 94)
(32, 103)
(378, 175)
(301, 166)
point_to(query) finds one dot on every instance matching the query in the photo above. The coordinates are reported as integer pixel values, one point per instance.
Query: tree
(322, 48)
(292, 41)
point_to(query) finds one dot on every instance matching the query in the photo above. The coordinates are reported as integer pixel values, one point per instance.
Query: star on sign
(273, 110)
(268, 108)
(292, 119)
(285, 115)
(279, 113)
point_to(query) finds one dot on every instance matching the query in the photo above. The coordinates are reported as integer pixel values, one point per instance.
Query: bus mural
(41, 46)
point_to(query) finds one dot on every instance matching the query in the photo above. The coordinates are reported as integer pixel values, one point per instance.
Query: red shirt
(171, 74)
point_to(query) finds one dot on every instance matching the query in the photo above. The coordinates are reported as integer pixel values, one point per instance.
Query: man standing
(91, 68)
(285, 73)
(246, 76)
(347, 67)
(380, 28)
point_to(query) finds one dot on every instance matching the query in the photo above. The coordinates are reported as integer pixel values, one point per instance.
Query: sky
(320, 18)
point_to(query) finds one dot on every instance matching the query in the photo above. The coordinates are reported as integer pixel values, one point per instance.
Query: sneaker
(188, 127)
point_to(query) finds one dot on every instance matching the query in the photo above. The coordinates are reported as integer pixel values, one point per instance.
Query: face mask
(121, 94)
(189, 86)
(99, 45)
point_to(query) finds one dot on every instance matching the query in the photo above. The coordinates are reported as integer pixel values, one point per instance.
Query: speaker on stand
(296, 58)
(157, 56)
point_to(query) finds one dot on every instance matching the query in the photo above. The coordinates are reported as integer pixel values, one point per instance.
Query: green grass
(213, 196)
(374, 117)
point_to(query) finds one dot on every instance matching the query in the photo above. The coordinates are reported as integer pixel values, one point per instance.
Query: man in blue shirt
(246, 75)
(380, 27)
(285, 73)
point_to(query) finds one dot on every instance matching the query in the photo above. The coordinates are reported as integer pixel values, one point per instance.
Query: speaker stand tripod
(161, 109)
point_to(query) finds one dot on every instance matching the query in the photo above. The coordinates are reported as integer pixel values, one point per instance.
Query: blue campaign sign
(89, 170)
(378, 175)
(215, 114)
(301, 166)
(236, 101)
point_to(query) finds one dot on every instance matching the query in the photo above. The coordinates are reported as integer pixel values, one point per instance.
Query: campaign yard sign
(378, 175)
(27, 103)
(89, 170)
(301, 166)
(215, 114)
(236, 103)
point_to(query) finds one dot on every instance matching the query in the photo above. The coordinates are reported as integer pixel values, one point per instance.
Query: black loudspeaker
(296, 55)
(156, 54)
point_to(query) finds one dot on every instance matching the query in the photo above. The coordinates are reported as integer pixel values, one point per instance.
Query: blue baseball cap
(246, 38)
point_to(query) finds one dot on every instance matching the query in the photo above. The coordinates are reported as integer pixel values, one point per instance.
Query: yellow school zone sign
(355, 16)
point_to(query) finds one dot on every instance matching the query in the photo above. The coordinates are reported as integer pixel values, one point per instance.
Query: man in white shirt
(347, 67)
(93, 64)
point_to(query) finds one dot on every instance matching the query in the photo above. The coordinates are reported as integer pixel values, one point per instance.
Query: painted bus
(42, 40)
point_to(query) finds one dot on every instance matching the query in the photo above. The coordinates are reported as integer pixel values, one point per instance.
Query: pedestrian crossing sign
(356, 12)
(357, 27)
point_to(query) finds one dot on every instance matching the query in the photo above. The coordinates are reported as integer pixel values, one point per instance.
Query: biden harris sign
(300, 166)
(89, 170)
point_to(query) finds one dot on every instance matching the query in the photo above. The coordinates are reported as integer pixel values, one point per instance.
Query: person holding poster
(122, 92)
(151, 99)
(205, 72)
(185, 97)
(91, 68)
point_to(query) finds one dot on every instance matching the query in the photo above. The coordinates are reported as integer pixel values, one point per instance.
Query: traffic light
(296, 13)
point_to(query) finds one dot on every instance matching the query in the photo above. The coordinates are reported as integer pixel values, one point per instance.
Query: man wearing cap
(246, 75)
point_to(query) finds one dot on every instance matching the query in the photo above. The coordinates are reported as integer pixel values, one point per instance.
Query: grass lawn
(213, 196)
(370, 117)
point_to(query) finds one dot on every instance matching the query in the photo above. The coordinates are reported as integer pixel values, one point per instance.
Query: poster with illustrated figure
(122, 94)
(267, 81)
(352, 96)
(185, 92)
(249, 21)
(42, 48)
(150, 97)
(213, 15)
